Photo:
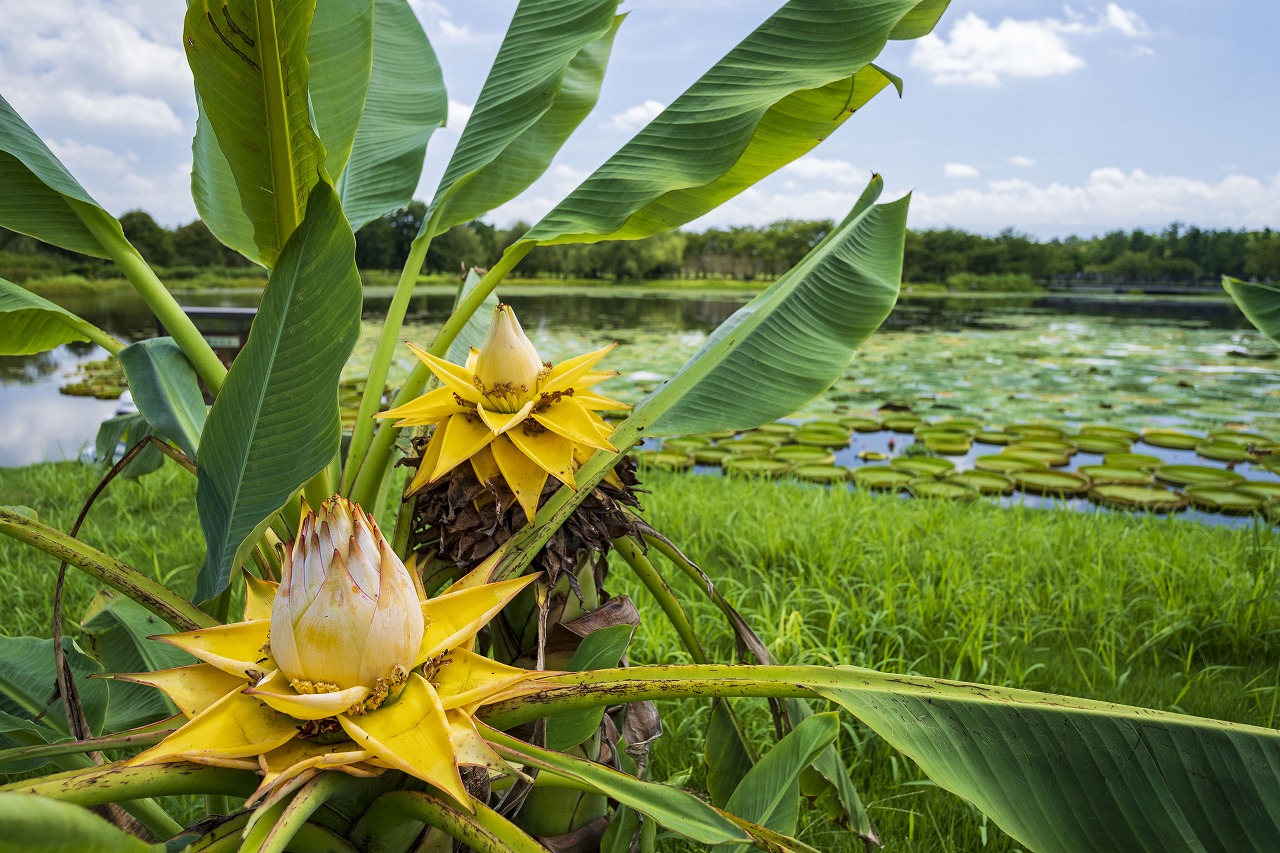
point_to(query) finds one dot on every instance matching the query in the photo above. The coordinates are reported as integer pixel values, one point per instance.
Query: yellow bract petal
(430, 457)
(239, 648)
(566, 373)
(236, 726)
(463, 437)
(595, 401)
(291, 760)
(458, 379)
(572, 420)
(485, 466)
(453, 618)
(500, 423)
(592, 378)
(552, 452)
(469, 678)
(412, 735)
(473, 356)
(277, 693)
(468, 747)
(524, 476)
(258, 597)
(192, 688)
(433, 406)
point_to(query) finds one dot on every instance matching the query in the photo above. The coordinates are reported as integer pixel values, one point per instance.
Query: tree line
(947, 256)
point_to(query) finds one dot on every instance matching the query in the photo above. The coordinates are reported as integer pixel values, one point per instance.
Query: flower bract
(513, 416)
(344, 665)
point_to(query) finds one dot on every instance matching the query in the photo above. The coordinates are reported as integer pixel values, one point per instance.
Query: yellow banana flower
(341, 666)
(512, 415)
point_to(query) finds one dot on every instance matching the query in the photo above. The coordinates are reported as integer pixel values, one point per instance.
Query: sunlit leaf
(166, 391)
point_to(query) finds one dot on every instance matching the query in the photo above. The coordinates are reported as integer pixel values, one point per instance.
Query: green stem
(216, 804)
(157, 598)
(73, 747)
(303, 805)
(318, 489)
(111, 783)
(149, 813)
(372, 468)
(371, 400)
(161, 302)
(653, 581)
(93, 333)
(485, 830)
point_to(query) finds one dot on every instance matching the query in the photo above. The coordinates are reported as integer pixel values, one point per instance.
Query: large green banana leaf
(544, 81)
(165, 389)
(339, 66)
(40, 198)
(31, 324)
(1259, 301)
(275, 424)
(1059, 774)
(251, 76)
(213, 189)
(406, 103)
(36, 824)
(774, 97)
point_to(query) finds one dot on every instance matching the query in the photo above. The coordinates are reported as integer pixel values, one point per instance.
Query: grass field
(1160, 612)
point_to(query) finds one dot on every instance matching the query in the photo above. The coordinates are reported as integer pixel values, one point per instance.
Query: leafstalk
(372, 467)
(653, 581)
(93, 333)
(485, 830)
(376, 382)
(157, 297)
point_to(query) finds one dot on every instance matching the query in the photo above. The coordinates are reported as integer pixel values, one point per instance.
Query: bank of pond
(1222, 475)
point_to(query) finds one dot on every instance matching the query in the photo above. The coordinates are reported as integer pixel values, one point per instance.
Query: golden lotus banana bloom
(512, 415)
(341, 666)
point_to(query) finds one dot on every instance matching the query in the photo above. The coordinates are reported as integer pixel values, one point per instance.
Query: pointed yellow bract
(533, 418)
(351, 651)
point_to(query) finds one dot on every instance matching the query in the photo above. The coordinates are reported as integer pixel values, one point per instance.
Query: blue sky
(1049, 118)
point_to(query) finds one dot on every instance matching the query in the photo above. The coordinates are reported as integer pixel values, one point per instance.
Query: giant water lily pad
(1148, 498)
(1059, 484)
(1232, 436)
(1128, 436)
(779, 428)
(1227, 501)
(1171, 438)
(1063, 448)
(986, 482)
(881, 478)
(995, 437)
(1266, 489)
(1100, 444)
(861, 424)
(664, 460)
(942, 489)
(924, 466)
(1196, 475)
(958, 446)
(801, 454)
(821, 473)
(1144, 461)
(1002, 464)
(1222, 451)
(710, 456)
(756, 436)
(1103, 475)
(902, 424)
(756, 466)
(939, 430)
(1036, 430)
(822, 436)
(686, 444)
(1048, 458)
(747, 448)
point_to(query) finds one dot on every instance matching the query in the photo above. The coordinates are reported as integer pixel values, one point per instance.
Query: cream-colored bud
(508, 361)
(347, 612)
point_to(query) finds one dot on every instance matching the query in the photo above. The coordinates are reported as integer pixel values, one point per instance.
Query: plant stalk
(653, 581)
(157, 297)
(485, 830)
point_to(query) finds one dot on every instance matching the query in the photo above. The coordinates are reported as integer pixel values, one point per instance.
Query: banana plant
(369, 700)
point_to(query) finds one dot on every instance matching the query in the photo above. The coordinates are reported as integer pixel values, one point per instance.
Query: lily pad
(949, 446)
(1051, 483)
(686, 444)
(779, 428)
(1266, 489)
(1036, 430)
(936, 430)
(755, 466)
(1149, 498)
(902, 424)
(1063, 448)
(924, 466)
(1109, 475)
(1171, 438)
(995, 437)
(821, 473)
(1233, 436)
(800, 454)
(1227, 501)
(970, 424)
(986, 482)
(710, 456)
(1222, 451)
(943, 489)
(756, 436)
(1142, 461)
(821, 437)
(1105, 431)
(1100, 444)
(861, 424)
(872, 455)
(1048, 458)
(1002, 464)
(664, 460)
(1196, 475)
(881, 478)
(747, 448)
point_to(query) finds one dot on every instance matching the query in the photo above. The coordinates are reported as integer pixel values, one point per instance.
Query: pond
(1128, 362)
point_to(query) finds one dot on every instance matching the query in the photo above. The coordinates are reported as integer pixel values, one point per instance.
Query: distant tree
(195, 246)
(154, 243)
(376, 246)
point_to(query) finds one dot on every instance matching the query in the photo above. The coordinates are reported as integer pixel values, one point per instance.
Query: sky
(1047, 118)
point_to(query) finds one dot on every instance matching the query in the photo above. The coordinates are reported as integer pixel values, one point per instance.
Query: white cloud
(959, 170)
(1021, 162)
(439, 24)
(459, 115)
(976, 53)
(634, 118)
(1108, 198)
(831, 171)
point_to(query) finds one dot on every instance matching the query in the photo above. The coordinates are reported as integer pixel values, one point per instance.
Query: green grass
(1159, 612)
